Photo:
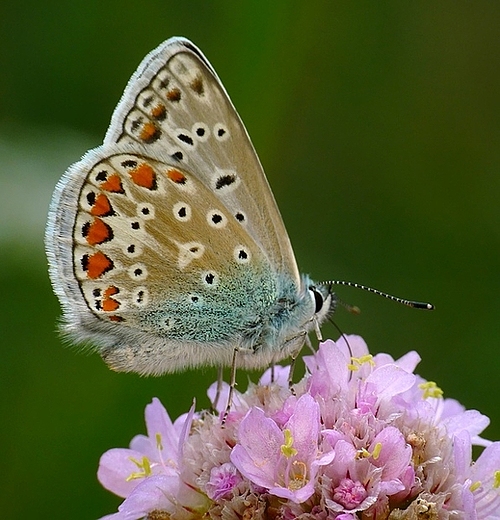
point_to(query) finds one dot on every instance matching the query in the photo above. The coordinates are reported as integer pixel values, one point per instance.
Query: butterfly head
(324, 299)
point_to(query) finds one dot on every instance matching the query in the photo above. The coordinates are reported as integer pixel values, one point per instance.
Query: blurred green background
(378, 126)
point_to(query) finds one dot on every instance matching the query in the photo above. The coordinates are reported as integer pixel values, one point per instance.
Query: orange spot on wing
(144, 175)
(113, 184)
(197, 85)
(109, 304)
(96, 265)
(149, 132)
(114, 317)
(174, 94)
(159, 112)
(101, 207)
(176, 176)
(97, 232)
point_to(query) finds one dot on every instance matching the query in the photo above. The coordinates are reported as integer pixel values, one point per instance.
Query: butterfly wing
(176, 108)
(165, 244)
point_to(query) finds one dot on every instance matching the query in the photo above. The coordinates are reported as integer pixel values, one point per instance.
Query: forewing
(176, 110)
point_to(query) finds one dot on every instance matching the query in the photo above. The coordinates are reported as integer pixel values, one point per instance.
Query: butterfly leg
(232, 384)
(317, 329)
(310, 345)
(293, 358)
(219, 389)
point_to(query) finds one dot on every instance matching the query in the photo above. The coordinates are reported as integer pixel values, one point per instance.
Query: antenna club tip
(420, 305)
(354, 309)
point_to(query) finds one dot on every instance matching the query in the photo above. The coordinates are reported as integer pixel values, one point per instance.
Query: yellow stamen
(430, 389)
(377, 450)
(359, 361)
(287, 449)
(496, 479)
(144, 466)
(363, 453)
(159, 445)
(475, 485)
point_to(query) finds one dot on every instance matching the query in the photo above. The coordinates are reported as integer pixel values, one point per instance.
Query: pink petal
(152, 493)
(470, 420)
(409, 361)
(115, 467)
(390, 380)
(298, 496)
(158, 422)
(395, 454)
(304, 425)
(258, 451)
(277, 375)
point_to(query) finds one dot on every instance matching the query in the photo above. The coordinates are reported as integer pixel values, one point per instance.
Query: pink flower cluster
(360, 438)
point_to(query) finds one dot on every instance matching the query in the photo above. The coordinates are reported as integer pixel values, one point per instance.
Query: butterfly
(165, 245)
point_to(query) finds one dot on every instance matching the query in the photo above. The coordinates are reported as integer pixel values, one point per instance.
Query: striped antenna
(408, 303)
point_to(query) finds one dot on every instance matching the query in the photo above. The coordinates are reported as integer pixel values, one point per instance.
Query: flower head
(362, 437)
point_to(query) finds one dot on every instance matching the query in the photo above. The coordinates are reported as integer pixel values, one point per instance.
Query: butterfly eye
(318, 299)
